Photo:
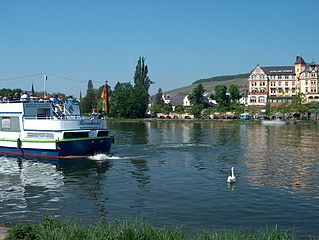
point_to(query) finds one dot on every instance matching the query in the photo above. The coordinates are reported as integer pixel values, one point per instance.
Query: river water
(174, 173)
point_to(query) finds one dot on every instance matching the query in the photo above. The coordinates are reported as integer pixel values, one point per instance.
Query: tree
(90, 100)
(159, 98)
(236, 107)
(159, 102)
(140, 94)
(221, 97)
(298, 104)
(167, 108)
(197, 97)
(234, 92)
(197, 100)
(179, 109)
(141, 78)
(7, 92)
(120, 102)
(314, 109)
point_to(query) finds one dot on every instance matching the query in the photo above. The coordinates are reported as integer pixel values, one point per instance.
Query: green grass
(53, 229)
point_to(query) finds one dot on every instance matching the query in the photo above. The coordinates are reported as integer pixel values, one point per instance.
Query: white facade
(186, 102)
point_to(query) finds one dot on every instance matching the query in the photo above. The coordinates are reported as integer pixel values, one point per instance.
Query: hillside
(210, 83)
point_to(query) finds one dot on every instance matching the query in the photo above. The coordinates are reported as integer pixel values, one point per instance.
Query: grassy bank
(51, 229)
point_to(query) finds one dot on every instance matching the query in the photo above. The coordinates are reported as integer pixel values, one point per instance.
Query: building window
(286, 90)
(253, 99)
(262, 77)
(286, 77)
(286, 84)
(261, 99)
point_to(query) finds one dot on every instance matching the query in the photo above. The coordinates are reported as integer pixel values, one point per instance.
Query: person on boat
(24, 97)
(57, 103)
(10, 98)
(17, 97)
(94, 114)
(70, 100)
(32, 98)
(5, 99)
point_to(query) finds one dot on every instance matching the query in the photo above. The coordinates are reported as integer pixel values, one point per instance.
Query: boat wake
(102, 156)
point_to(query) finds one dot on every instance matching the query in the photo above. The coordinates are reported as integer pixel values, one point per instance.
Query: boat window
(43, 112)
(76, 134)
(9, 124)
(40, 135)
(102, 133)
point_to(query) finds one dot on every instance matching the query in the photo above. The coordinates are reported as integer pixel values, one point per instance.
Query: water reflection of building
(282, 157)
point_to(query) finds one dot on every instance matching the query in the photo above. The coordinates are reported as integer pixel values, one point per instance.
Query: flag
(105, 97)
(104, 93)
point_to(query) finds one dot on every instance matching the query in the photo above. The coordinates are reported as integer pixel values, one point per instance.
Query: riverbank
(52, 228)
(3, 232)
(231, 121)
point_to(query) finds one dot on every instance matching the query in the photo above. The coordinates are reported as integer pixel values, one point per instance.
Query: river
(174, 173)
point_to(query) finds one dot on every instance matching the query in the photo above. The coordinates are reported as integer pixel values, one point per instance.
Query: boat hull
(64, 148)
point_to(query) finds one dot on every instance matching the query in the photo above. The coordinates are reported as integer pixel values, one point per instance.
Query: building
(279, 84)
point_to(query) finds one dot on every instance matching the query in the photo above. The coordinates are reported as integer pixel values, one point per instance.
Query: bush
(22, 232)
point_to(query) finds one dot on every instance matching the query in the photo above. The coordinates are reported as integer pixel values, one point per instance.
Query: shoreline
(3, 232)
(235, 121)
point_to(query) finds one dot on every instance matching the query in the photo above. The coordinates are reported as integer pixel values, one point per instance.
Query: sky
(73, 41)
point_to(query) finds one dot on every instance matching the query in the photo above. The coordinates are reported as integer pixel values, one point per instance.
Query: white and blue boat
(34, 129)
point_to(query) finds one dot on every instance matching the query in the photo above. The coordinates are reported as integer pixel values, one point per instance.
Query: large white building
(279, 84)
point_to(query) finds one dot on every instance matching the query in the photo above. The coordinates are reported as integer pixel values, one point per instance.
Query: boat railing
(69, 111)
(55, 116)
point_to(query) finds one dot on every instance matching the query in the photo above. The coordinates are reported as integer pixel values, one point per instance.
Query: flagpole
(107, 108)
(44, 79)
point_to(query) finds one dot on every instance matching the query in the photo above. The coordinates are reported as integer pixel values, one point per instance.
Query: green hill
(209, 84)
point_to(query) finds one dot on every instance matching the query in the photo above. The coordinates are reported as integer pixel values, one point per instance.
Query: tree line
(126, 100)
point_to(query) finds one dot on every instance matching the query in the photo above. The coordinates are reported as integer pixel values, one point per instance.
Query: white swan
(232, 178)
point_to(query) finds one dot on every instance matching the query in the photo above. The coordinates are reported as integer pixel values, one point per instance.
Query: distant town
(270, 90)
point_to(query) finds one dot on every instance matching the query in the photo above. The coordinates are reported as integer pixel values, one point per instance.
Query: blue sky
(183, 41)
